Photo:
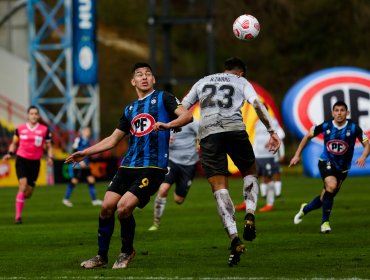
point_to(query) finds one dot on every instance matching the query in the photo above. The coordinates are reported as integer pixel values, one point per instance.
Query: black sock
(105, 231)
(128, 226)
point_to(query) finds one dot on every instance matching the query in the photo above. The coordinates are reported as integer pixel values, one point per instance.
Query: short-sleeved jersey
(183, 149)
(339, 142)
(262, 136)
(221, 98)
(31, 140)
(79, 144)
(146, 147)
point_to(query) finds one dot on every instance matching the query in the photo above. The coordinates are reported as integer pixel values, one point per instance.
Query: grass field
(191, 242)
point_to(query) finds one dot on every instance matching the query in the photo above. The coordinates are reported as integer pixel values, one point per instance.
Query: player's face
(86, 132)
(143, 79)
(33, 116)
(339, 114)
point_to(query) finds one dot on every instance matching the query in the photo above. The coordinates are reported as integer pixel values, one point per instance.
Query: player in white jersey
(182, 161)
(221, 133)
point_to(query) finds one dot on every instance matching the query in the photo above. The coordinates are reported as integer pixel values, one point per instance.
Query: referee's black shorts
(27, 168)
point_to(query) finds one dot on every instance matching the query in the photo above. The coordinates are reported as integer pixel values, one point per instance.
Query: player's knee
(179, 199)
(74, 181)
(91, 180)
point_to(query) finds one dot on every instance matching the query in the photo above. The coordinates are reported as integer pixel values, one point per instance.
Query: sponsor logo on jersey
(337, 147)
(142, 124)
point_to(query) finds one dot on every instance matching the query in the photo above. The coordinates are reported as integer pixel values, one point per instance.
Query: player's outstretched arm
(297, 156)
(361, 160)
(104, 145)
(183, 118)
(12, 148)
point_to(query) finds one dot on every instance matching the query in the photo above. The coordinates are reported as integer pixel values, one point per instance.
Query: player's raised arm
(361, 160)
(297, 156)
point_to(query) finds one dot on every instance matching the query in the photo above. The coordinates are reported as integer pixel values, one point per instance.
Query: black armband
(11, 153)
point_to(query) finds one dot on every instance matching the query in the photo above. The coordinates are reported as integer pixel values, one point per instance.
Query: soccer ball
(246, 27)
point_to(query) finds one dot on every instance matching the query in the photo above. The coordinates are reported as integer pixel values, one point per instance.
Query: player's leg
(20, 199)
(70, 187)
(184, 180)
(276, 178)
(92, 190)
(159, 205)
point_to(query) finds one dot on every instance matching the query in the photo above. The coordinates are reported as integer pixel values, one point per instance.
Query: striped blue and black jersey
(79, 144)
(339, 142)
(146, 147)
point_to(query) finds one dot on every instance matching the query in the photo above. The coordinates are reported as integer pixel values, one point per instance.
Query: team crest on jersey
(337, 147)
(153, 101)
(142, 124)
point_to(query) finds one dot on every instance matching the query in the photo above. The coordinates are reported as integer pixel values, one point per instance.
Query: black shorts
(328, 169)
(142, 182)
(267, 167)
(182, 175)
(81, 173)
(215, 148)
(27, 168)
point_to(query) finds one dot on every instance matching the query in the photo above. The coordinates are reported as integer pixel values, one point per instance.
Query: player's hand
(6, 157)
(294, 160)
(50, 161)
(75, 157)
(160, 126)
(274, 143)
(361, 162)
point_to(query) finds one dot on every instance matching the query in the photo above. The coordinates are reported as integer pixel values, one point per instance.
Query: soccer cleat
(67, 203)
(96, 202)
(325, 227)
(18, 221)
(94, 262)
(123, 260)
(237, 248)
(249, 227)
(266, 208)
(154, 227)
(299, 217)
(240, 207)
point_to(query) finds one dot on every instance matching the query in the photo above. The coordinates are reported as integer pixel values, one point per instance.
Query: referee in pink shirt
(28, 145)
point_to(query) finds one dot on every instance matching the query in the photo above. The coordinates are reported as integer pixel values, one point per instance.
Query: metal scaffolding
(62, 104)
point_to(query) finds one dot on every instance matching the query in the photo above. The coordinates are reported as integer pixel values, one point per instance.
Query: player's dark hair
(32, 107)
(340, 103)
(140, 65)
(234, 63)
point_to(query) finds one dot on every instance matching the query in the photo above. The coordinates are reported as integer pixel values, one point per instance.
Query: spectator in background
(81, 171)
(28, 144)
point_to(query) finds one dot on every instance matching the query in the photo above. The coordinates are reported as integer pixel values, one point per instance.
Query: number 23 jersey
(221, 98)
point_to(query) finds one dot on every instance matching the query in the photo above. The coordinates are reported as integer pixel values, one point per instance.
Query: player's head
(340, 112)
(33, 114)
(340, 103)
(142, 77)
(235, 65)
(86, 132)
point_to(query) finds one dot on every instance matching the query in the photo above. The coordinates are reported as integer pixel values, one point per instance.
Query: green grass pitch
(191, 243)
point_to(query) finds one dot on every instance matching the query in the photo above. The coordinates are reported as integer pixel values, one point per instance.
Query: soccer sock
(277, 187)
(314, 204)
(19, 204)
(263, 189)
(250, 193)
(69, 190)
(270, 198)
(159, 205)
(92, 191)
(327, 205)
(105, 231)
(226, 211)
(127, 234)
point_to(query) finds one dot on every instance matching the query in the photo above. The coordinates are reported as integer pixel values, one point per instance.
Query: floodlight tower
(65, 101)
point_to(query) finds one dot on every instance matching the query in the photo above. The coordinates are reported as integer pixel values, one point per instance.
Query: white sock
(159, 205)
(277, 186)
(226, 211)
(250, 193)
(270, 198)
(263, 189)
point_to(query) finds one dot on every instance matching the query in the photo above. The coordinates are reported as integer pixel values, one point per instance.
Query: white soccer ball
(246, 27)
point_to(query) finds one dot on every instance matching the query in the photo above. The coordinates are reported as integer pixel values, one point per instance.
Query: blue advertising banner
(309, 102)
(84, 55)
